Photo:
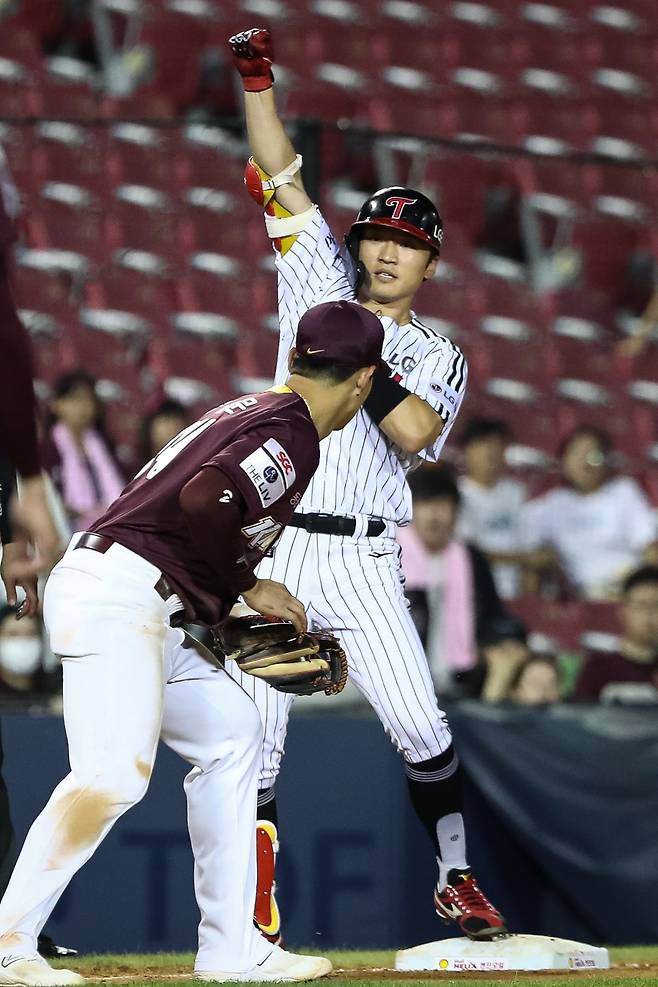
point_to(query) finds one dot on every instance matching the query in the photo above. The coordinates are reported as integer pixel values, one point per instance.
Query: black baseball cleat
(461, 901)
(51, 951)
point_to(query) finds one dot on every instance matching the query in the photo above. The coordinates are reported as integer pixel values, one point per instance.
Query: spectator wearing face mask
(21, 654)
(600, 525)
(629, 673)
(77, 454)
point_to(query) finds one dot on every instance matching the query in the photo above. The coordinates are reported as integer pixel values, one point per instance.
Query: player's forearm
(272, 149)
(413, 424)
(268, 141)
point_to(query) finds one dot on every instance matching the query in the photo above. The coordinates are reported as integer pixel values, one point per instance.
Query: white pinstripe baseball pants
(355, 587)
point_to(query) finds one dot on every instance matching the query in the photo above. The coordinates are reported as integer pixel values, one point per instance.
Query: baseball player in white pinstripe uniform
(339, 554)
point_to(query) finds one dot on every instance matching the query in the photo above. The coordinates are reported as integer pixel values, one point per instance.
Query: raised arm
(253, 54)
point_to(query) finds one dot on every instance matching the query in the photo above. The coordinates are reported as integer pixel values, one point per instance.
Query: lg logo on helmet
(398, 203)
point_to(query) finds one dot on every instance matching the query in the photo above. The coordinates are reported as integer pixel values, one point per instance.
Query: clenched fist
(253, 54)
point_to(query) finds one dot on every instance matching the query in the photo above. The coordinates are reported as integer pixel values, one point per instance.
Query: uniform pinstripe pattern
(355, 585)
(361, 471)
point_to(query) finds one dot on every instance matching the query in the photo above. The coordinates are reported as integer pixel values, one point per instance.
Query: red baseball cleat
(461, 901)
(266, 912)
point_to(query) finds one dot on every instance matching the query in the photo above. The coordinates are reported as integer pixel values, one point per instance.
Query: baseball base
(508, 953)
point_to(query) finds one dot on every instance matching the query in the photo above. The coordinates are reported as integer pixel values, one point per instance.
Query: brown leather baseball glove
(272, 650)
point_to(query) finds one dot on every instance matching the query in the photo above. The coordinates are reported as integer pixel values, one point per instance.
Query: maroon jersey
(265, 444)
(603, 668)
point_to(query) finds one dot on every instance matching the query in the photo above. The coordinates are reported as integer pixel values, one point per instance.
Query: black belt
(335, 524)
(101, 543)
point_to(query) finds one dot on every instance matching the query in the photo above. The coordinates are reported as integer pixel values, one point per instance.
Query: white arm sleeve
(312, 271)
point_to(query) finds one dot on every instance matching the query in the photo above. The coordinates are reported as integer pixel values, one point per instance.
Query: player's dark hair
(477, 429)
(428, 482)
(68, 382)
(601, 438)
(324, 370)
(166, 409)
(643, 576)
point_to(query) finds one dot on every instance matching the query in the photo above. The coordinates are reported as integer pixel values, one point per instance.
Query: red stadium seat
(582, 348)
(563, 623)
(142, 155)
(71, 153)
(604, 244)
(73, 218)
(201, 347)
(146, 218)
(138, 282)
(256, 353)
(460, 184)
(139, 108)
(53, 349)
(174, 41)
(41, 19)
(508, 347)
(209, 158)
(50, 281)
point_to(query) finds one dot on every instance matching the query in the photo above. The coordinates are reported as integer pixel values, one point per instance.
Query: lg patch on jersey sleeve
(270, 470)
(447, 396)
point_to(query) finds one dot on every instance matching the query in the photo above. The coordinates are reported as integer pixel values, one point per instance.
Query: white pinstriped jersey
(361, 471)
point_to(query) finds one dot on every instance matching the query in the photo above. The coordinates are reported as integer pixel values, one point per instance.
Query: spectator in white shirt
(599, 524)
(490, 516)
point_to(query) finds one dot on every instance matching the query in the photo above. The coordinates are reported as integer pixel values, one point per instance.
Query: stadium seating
(134, 201)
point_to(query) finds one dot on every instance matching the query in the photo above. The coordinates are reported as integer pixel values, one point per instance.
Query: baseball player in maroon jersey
(181, 543)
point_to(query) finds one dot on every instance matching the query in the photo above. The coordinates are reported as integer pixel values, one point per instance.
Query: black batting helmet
(402, 209)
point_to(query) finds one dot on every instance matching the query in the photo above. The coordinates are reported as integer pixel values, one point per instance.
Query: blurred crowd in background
(146, 283)
(482, 560)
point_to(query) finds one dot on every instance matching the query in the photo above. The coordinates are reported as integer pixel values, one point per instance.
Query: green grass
(160, 969)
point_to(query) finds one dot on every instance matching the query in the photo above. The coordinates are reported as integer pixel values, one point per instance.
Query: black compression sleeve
(386, 394)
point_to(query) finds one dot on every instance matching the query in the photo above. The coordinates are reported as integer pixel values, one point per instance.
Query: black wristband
(386, 394)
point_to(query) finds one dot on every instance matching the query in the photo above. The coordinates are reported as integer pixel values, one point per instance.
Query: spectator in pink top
(449, 584)
(78, 454)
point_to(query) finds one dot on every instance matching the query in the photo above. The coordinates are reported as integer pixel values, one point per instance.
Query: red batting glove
(253, 54)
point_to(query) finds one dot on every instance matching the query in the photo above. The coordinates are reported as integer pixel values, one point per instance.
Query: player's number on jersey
(174, 446)
(189, 434)
(262, 534)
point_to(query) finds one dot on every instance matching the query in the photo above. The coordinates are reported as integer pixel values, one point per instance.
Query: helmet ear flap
(352, 240)
(352, 243)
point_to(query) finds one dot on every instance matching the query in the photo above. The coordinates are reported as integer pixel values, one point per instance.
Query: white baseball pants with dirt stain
(131, 679)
